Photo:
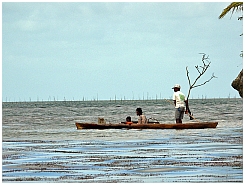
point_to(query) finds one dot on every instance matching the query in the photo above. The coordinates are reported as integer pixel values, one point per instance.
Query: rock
(238, 83)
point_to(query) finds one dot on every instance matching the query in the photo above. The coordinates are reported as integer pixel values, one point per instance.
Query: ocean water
(40, 143)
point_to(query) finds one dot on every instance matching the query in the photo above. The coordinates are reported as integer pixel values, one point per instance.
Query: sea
(41, 144)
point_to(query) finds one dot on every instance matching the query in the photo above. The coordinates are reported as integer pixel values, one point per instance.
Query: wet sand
(175, 156)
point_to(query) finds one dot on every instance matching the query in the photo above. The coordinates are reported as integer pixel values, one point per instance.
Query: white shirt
(180, 99)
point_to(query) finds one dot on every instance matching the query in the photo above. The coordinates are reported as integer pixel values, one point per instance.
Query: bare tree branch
(187, 73)
(205, 81)
(201, 70)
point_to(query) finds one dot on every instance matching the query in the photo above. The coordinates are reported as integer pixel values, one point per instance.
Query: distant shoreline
(115, 100)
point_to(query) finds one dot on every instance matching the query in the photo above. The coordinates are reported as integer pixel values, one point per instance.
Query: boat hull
(196, 125)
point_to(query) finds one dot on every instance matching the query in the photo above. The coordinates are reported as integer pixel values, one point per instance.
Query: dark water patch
(159, 170)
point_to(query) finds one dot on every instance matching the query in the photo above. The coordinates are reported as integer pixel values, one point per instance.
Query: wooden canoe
(195, 125)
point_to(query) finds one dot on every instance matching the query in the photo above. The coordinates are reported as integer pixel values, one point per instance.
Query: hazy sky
(101, 50)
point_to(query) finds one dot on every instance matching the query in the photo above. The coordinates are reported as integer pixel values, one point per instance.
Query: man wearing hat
(180, 103)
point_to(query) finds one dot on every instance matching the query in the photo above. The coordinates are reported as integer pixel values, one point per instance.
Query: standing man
(180, 103)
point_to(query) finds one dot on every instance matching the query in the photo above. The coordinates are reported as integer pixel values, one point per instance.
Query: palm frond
(238, 6)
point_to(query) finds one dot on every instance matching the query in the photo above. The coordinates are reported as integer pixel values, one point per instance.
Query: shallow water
(41, 143)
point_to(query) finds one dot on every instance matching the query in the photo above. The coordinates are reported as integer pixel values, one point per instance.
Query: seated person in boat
(180, 102)
(142, 118)
(128, 120)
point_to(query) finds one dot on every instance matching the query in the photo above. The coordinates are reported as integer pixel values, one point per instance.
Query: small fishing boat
(153, 125)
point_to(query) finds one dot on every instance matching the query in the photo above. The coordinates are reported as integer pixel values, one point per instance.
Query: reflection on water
(41, 143)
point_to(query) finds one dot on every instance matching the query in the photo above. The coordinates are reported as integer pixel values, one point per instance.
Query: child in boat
(142, 118)
(128, 120)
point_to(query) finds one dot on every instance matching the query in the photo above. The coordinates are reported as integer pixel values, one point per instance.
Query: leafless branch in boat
(201, 70)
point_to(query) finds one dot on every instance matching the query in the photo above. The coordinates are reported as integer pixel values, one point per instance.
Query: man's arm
(174, 99)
